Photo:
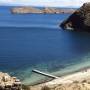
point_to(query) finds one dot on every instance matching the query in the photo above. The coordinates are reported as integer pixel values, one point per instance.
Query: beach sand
(75, 81)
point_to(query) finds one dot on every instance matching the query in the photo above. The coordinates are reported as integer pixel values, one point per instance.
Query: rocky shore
(76, 81)
(9, 83)
(27, 10)
(79, 20)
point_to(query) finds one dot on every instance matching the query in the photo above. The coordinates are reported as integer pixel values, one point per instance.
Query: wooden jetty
(44, 74)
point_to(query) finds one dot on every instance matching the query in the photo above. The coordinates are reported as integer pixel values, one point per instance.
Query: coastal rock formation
(26, 10)
(9, 83)
(79, 20)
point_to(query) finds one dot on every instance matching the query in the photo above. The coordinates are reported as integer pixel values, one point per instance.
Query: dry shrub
(84, 81)
(76, 82)
(25, 87)
(45, 88)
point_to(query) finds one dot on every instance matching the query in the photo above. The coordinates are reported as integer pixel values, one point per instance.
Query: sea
(35, 41)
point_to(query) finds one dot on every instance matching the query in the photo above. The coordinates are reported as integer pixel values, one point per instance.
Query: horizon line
(39, 6)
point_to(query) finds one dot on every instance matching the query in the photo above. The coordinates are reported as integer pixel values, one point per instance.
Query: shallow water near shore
(35, 41)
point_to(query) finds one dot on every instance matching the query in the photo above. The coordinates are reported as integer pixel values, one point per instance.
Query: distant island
(45, 10)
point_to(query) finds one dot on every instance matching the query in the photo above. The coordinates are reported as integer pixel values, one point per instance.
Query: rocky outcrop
(26, 10)
(49, 10)
(79, 20)
(57, 10)
(9, 83)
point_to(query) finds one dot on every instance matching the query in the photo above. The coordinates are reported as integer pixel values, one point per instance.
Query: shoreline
(60, 76)
(80, 76)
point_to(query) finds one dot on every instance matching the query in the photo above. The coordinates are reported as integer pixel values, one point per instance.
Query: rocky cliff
(26, 10)
(79, 20)
(9, 83)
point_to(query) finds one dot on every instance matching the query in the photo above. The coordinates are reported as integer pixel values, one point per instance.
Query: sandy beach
(76, 81)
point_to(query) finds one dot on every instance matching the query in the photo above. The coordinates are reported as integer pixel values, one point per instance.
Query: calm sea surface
(35, 41)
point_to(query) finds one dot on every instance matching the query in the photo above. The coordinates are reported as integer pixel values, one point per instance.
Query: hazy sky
(60, 3)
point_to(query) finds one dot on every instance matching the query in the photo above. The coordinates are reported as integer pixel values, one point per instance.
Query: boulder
(79, 20)
(9, 83)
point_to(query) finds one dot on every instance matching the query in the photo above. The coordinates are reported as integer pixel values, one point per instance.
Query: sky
(51, 3)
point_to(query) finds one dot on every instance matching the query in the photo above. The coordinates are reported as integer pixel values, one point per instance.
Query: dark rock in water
(79, 20)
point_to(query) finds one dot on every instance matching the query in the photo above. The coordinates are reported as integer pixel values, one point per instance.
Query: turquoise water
(35, 41)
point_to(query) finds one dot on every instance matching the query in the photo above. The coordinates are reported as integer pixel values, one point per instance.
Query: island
(79, 20)
(45, 10)
(25, 10)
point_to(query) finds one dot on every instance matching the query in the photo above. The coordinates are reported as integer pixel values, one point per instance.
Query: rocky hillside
(26, 10)
(9, 83)
(79, 20)
(57, 10)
